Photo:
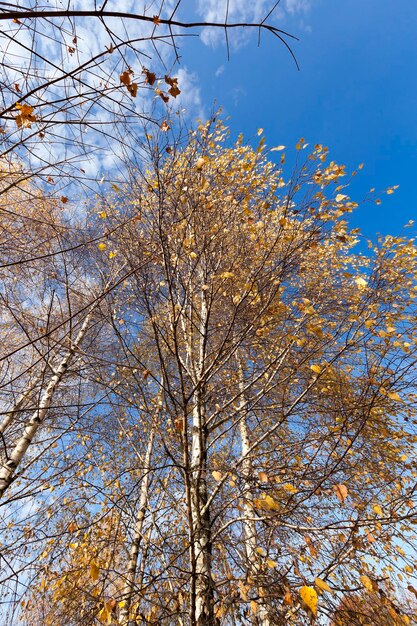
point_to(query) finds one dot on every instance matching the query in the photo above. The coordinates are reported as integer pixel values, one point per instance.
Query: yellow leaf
(340, 197)
(278, 149)
(243, 590)
(290, 488)
(263, 477)
(393, 395)
(287, 599)
(361, 282)
(216, 475)
(25, 109)
(94, 571)
(102, 214)
(260, 131)
(316, 368)
(377, 509)
(271, 563)
(270, 504)
(321, 584)
(310, 598)
(105, 615)
(341, 492)
(115, 187)
(366, 582)
(253, 606)
(25, 119)
(112, 255)
(200, 163)
(101, 246)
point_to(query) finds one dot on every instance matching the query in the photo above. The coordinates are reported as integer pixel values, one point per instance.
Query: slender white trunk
(18, 406)
(202, 585)
(129, 587)
(249, 525)
(37, 418)
(201, 531)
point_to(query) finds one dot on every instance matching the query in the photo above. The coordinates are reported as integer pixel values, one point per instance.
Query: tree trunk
(129, 588)
(8, 418)
(249, 524)
(201, 531)
(32, 426)
(202, 595)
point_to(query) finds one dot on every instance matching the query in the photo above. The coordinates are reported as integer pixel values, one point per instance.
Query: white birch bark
(7, 420)
(8, 469)
(200, 513)
(249, 524)
(201, 535)
(129, 587)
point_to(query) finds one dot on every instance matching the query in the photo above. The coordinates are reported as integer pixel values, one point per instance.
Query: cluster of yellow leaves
(266, 503)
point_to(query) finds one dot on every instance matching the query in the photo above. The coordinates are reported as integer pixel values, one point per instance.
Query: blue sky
(356, 92)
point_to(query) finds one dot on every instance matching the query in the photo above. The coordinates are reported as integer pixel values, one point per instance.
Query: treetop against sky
(355, 92)
(212, 409)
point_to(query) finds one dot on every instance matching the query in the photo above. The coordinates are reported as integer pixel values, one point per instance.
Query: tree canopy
(209, 397)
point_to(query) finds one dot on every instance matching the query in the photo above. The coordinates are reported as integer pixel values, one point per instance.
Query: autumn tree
(248, 454)
(49, 303)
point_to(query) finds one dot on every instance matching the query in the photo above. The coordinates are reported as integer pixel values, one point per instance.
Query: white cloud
(102, 115)
(91, 115)
(237, 94)
(244, 11)
(297, 6)
(190, 97)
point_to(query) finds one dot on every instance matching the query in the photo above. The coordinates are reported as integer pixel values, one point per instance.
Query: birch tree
(315, 326)
(281, 362)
